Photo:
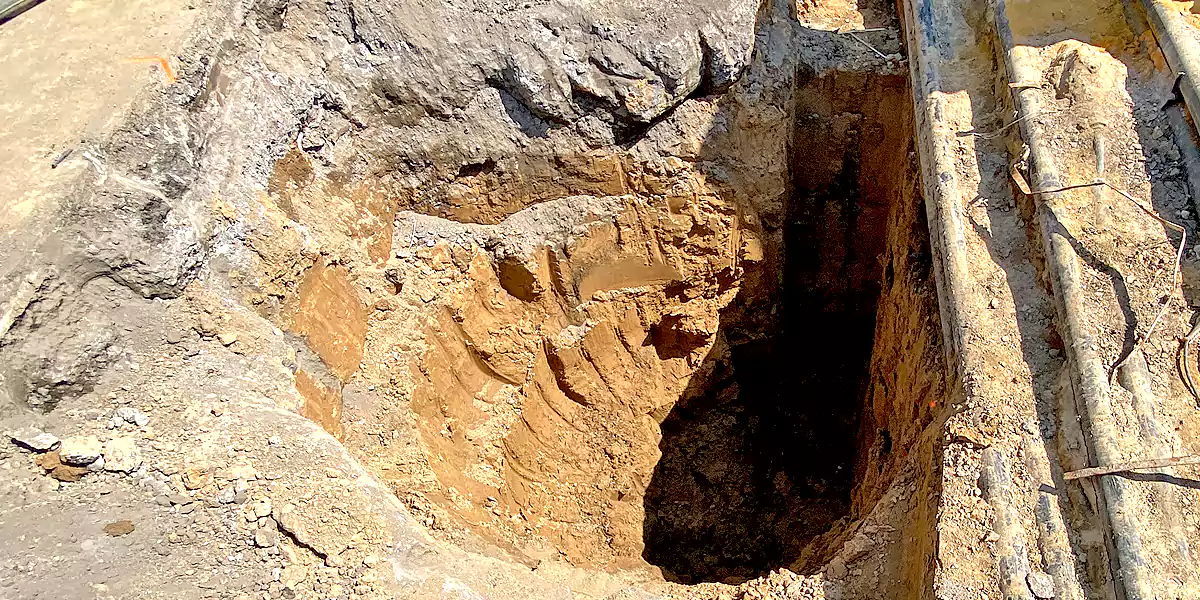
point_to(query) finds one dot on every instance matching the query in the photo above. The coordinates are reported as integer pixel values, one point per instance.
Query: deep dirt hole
(714, 443)
(764, 455)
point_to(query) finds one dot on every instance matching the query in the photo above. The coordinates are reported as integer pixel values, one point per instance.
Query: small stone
(261, 508)
(133, 416)
(162, 500)
(292, 575)
(174, 336)
(179, 498)
(96, 465)
(121, 455)
(991, 537)
(195, 478)
(118, 528)
(994, 304)
(836, 569)
(206, 325)
(35, 440)
(266, 537)
(1041, 584)
(274, 440)
(227, 338)
(184, 509)
(50, 462)
(370, 561)
(80, 450)
(334, 561)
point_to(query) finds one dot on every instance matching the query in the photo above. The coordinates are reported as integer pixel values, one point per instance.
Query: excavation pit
(698, 383)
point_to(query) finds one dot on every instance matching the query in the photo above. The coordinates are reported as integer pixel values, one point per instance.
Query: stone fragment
(266, 537)
(195, 478)
(292, 575)
(96, 465)
(262, 508)
(1041, 584)
(122, 455)
(118, 528)
(174, 336)
(132, 416)
(836, 569)
(80, 450)
(35, 440)
(227, 338)
(51, 463)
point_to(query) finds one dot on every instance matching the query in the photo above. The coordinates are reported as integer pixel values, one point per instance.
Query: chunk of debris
(34, 439)
(133, 416)
(80, 450)
(122, 455)
(52, 463)
(119, 528)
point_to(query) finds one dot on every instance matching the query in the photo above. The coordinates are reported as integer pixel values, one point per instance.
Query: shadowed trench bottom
(796, 429)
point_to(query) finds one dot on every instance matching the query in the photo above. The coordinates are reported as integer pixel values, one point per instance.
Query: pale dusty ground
(67, 80)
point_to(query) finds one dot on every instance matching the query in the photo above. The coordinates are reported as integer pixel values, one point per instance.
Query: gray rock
(80, 450)
(35, 440)
(1041, 584)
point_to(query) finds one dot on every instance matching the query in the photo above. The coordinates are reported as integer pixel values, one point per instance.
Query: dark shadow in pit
(766, 452)
(758, 456)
